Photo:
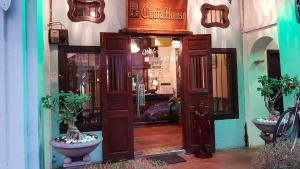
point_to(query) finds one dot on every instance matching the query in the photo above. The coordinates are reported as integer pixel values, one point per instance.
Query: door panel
(116, 97)
(274, 71)
(196, 87)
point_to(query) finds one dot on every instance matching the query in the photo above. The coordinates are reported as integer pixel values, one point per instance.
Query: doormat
(167, 158)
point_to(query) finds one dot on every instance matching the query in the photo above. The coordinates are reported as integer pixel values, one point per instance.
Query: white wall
(259, 13)
(88, 33)
(169, 67)
(3, 141)
(47, 83)
(13, 133)
(260, 32)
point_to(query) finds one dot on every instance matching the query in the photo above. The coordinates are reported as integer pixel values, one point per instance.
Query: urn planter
(266, 128)
(76, 154)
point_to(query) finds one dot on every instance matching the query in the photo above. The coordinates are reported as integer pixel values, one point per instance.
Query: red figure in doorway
(202, 132)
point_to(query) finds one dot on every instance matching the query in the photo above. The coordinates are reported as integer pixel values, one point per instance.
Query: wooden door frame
(180, 63)
(119, 111)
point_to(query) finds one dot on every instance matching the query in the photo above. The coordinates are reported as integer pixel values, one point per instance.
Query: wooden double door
(116, 92)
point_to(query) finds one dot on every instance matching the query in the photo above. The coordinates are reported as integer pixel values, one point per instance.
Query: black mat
(167, 158)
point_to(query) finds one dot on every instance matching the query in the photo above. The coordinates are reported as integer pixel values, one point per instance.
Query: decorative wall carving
(5, 4)
(86, 10)
(162, 16)
(215, 16)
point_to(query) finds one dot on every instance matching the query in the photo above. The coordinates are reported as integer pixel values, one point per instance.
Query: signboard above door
(157, 16)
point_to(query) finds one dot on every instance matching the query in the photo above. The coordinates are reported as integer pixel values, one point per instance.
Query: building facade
(29, 68)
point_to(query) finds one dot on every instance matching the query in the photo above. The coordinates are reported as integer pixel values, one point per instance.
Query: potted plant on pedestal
(272, 90)
(73, 145)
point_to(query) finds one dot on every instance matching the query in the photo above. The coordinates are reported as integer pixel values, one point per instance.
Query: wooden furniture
(79, 71)
(150, 101)
(215, 16)
(86, 10)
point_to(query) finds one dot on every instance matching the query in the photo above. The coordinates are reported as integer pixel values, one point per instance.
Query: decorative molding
(86, 10)
(215, 16)
(5, 4)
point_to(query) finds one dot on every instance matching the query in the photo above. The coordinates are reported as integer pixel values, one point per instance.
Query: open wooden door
(116, 95)
(196, 87)
(274, 71)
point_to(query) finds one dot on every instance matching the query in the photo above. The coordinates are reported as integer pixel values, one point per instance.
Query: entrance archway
(257, 66)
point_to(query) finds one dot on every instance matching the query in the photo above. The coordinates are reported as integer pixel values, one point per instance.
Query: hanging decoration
(215, 16)
(5, 4)
(86, 10)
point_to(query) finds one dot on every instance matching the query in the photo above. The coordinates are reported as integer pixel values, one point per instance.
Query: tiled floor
(227, 159)
(157, 136)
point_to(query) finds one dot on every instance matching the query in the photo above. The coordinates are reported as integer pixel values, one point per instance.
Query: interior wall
(168, 67)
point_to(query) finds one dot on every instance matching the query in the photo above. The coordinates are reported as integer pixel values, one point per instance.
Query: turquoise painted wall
(289, 41)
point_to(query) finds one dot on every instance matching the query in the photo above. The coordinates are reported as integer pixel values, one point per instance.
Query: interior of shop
(156, 96)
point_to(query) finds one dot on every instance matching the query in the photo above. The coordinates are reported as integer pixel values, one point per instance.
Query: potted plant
(73, 145)
(272, 90)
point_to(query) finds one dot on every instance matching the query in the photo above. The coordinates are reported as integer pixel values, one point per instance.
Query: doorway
(156, 94)
(274, 71)
(122, 73)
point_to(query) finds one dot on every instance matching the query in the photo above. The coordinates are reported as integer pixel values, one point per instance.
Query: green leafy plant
(273, 89)
(68, 105)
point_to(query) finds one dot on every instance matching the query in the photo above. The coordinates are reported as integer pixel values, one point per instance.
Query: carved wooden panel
(215, 16)
(116, 97)
(198, 72)
(86, 10)
(196, 87)
(157, 15)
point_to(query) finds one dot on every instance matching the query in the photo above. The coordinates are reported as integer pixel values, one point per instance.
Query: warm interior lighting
(146, 59)
(134, 47)
(176, 43)
(93, 13)
(155, 82)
